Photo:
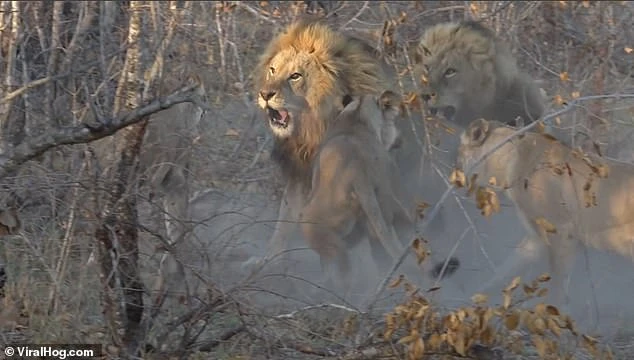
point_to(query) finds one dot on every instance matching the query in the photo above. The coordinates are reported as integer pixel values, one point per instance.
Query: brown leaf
(396, 282)
(554, 327)
(540, 345)
(545, 225)
(413, 336)
(514, 284)
(545, 277)
(559, 100)
(479, 299)
(552, 310)
(590, 344)
(457, 178)
(511, 321)
(418, 348)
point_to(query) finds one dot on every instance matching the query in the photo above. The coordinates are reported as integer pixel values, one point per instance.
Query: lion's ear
(478, 131)
(350, 103)
(390, 102)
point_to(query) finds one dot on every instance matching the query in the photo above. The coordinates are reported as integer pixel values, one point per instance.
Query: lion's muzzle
(448, 112)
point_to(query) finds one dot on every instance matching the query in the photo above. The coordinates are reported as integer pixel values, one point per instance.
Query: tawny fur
(331, 66)
(470, 73)
(586, 199)
(355, 187)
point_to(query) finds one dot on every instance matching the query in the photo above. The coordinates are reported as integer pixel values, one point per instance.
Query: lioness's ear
(390, 102)
(478, 131)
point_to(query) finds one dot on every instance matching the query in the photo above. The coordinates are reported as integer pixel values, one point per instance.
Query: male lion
(471, 74)
(302, 77)
(564, 197)
(355, 186)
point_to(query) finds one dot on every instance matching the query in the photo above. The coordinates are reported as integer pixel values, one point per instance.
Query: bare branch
(85, 133)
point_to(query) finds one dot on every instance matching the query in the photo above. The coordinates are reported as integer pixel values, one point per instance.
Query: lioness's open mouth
(278, 118)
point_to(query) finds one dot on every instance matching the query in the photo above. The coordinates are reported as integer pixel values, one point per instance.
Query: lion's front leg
(286, 227)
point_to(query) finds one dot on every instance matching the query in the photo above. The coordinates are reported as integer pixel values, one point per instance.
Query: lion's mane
(342, 65)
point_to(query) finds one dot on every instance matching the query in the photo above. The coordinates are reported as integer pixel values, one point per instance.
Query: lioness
(470, 74)
(355, 186)
(562, 196)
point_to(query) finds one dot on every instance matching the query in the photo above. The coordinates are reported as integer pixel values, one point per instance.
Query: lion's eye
(295, 76)
(450, 72)
(272, 70)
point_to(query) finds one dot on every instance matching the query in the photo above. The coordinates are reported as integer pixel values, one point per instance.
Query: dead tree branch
(85, 133)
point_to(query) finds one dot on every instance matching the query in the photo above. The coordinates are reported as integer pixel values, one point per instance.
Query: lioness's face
(285, 90)
(480, 138)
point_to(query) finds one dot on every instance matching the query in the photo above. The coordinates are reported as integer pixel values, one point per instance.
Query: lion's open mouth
(447, 111)
(278, 118)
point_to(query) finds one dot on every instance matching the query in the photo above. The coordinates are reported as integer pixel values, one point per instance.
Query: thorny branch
(84, 133)
(434, 211)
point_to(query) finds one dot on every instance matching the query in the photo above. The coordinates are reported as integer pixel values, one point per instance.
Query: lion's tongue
(282, 117)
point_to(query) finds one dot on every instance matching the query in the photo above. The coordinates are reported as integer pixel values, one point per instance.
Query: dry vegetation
(81, 209)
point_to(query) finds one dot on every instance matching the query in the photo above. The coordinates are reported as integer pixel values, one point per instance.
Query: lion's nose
(266, 95)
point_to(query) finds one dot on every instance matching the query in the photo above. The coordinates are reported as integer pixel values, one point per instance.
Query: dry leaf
(457, 178)
(435, 341)
(514, 284)
(545, 225)
(544, 277)
(512, 320)
(554, 327)
(232, 132)
(417, 349)
(628, 50)
(420, 208)
(559, 100)
(564, 76)
(479, 299)
(396, 282)
(413, 336)
(575, 94)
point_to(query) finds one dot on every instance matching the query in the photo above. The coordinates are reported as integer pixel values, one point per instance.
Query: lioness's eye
(272, 70)
(450, 72)
(295, 76)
